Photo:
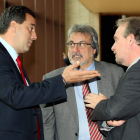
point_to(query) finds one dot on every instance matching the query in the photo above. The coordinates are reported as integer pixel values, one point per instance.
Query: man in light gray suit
(68, 120)
(125, 104)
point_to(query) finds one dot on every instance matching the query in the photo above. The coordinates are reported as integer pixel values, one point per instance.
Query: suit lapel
(25, 74)
(71, 100)
(102, 82)
(72, 103)
(4, 51)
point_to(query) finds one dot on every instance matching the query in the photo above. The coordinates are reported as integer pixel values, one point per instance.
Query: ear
(94, 51)
(13, 26)
(131, 39)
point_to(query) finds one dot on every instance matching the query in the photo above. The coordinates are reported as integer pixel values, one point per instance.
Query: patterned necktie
(21, 71)
(93, 126)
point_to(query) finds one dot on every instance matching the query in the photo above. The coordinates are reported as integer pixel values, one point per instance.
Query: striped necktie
(93, 126)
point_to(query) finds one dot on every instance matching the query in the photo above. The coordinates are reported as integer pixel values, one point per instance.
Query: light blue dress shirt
(83, 123)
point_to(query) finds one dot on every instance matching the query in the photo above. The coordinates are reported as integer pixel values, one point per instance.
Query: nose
(34, 36)
(76, 49)
(113, 47)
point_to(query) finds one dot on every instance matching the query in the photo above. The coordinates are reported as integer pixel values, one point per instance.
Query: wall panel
(50, 35)
(56, 34)
(62, 30)
(40, 42)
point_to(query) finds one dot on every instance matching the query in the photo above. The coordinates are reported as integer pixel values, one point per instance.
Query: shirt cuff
(105, 127)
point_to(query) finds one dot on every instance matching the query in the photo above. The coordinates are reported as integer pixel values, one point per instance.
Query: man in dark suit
(68, 120)
(20, 115)
(125, 104)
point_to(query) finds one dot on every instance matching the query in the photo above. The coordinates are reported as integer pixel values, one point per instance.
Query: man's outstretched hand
(71, 75)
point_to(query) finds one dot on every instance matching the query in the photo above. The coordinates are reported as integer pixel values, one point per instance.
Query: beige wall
(75, 12)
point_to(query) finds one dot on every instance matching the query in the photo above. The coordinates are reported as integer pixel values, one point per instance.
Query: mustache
(77, 54)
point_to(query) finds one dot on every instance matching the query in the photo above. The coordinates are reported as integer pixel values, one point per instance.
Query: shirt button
(76, 134)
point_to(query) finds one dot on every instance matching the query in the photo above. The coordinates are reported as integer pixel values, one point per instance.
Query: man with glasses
(70, 120)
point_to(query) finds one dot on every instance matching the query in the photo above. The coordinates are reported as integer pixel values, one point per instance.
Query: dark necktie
(21, 71)
(93, 126)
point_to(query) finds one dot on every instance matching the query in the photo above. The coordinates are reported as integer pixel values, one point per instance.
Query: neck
(85, 65)
(7, 38)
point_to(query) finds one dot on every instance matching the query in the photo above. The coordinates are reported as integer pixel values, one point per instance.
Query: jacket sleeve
(125, 102)
(15, 94)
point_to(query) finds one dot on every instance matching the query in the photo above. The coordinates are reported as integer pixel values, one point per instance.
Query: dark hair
(82, 28)
(133, 26)
(14, 13)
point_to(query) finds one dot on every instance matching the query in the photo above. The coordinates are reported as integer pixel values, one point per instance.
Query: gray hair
(82, 28)
(133, 26)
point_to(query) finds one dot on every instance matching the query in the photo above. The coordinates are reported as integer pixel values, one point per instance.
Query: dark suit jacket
(124, 105)
(61, 121)
(18, 120)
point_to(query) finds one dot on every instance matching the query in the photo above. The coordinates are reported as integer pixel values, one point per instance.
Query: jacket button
(35, 132)
(34, 114)
(76, 134)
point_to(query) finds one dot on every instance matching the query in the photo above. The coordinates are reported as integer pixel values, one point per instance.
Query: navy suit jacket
(18, 120)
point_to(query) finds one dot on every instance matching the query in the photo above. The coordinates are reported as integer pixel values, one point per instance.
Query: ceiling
(130, 7)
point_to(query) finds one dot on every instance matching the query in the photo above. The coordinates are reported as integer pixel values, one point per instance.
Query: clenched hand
(91, 100)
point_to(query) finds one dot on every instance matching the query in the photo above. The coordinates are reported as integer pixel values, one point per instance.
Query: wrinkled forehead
(83, 35)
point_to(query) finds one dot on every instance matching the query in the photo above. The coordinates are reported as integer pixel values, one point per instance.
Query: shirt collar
(134, 63)
(91, 67)
(10, 49)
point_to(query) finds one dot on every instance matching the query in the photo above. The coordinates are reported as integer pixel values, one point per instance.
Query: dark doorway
(107, 32)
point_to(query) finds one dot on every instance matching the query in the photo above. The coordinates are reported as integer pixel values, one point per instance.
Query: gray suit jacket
(124, 105)
(61, 119)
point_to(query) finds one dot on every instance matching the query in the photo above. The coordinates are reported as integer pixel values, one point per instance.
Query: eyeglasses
(80, 45)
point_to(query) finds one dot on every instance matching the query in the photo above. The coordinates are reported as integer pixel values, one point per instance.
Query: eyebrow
(33, 24)
(78, 42)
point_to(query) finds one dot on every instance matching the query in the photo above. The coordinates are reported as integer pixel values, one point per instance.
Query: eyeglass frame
(78, 44)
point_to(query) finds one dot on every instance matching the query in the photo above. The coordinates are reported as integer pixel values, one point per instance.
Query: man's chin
(26, 50)
(118, 62)
(75, 60)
